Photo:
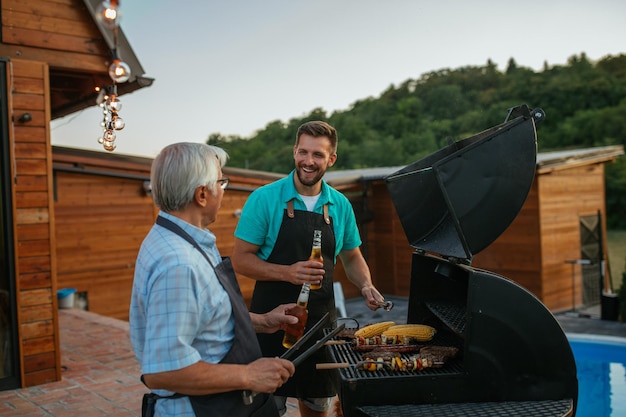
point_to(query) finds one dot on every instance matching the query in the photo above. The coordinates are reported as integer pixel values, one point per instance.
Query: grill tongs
(248, 396)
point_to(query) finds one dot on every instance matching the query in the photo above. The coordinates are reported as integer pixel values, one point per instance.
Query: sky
(233, 66)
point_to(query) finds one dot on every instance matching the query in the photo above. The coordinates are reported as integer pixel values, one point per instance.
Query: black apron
(293, 244)
(244, 350)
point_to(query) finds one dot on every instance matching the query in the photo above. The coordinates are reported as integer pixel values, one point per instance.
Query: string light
(109, 15)
(119, 71)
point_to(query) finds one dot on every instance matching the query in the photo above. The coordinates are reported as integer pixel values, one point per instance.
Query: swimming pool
(601, 371)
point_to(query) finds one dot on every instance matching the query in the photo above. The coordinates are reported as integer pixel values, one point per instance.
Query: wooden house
(53, 55)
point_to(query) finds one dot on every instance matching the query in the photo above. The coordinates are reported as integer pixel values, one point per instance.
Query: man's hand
(305, 271)
(373, 299)
(268, 374)
(274, 320)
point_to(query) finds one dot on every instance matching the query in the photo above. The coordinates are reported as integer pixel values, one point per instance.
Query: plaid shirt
(179, 312)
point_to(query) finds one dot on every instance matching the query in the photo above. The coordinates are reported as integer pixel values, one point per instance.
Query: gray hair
(179, 169)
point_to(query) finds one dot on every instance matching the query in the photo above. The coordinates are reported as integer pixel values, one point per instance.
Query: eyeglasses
(224, 182)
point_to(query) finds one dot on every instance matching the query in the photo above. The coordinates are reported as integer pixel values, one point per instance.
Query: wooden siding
(34, 233)
(96, 253)
(389, 252)
(385, 246)
(53, 25)
(103, 215)
(100, 224)
(566, 195)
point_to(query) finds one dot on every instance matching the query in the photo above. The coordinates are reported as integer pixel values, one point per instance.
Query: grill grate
(555, 408)
(450, 314)
(345, 354)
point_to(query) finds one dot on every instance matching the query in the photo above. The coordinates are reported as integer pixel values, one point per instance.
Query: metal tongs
(248, 396)
(387, 305)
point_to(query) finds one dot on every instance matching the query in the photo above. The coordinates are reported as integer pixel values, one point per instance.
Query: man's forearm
(255, 268)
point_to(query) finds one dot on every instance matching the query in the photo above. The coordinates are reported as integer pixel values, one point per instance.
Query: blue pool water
(601, 371)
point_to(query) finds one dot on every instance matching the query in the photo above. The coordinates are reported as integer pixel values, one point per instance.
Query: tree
(584, 104)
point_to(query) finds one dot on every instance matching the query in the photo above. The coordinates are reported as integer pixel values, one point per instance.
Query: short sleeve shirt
(262, 215)
(179, 312)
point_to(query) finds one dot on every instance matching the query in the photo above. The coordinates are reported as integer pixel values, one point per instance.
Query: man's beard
(309, 183)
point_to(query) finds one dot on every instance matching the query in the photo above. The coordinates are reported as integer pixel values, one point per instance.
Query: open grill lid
(458, 200)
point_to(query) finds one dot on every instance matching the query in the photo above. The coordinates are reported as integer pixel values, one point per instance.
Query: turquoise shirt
(262, 215)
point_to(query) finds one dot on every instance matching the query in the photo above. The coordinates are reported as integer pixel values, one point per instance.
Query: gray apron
(245, 348)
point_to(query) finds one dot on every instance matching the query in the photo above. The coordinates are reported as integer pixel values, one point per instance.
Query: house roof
(82, 95)
(75, 73)
(546, 162)
(557, 160)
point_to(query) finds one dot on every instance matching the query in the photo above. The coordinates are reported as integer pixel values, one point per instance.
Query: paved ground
(101, 374)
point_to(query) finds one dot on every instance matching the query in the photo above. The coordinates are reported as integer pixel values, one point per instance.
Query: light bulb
(118, 123)
(109, 146)
(109, 136)
(108, 13)
(114, 105)
(119, 71)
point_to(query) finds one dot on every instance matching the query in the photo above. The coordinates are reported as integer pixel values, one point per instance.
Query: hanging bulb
(109, 146)
(108, 13)
(119, 71)
(118, 123)
(109, 136)
(114, 105)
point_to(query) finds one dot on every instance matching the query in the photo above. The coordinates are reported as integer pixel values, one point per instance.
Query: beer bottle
(293, 332)
(316, 253)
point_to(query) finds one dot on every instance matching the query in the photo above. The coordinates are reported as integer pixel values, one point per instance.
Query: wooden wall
(59, 32)
(566, 195)
(385, 246)
(96, 251)
(34, 233)
(43, 37)
(100, 223)
(103, 215)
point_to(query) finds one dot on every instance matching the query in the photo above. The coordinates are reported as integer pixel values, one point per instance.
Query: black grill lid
(458, 200)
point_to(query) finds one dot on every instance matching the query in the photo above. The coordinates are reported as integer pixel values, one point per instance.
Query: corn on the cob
(374, 329)
(419, 332)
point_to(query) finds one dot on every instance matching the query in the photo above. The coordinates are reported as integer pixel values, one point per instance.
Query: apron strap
(326, 217)
(173, 227)
(291, 213)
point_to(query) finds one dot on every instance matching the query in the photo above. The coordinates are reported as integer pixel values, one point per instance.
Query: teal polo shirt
(262, 215)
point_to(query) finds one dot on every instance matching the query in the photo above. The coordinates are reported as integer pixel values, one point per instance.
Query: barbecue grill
(515, 359)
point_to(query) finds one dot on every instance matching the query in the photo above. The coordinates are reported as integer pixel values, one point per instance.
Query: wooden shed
(53, 55)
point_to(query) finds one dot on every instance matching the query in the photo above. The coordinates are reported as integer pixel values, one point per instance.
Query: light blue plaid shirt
(179, 312)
